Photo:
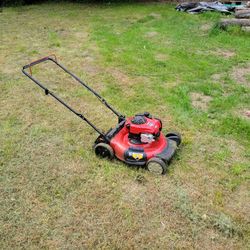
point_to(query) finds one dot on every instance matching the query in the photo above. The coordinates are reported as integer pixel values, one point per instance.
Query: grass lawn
(55, 193)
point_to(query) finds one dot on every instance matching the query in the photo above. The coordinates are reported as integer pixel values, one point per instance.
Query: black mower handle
(48, 92)
(46, 58)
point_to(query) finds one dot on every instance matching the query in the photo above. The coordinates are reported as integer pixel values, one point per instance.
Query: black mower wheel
(174, 136)
(156, 166)
(104, 150)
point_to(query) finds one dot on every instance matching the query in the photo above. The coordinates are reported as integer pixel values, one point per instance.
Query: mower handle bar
(39, 61)
(48, 92)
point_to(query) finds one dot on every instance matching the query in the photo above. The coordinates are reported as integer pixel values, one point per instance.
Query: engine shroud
(141, 124)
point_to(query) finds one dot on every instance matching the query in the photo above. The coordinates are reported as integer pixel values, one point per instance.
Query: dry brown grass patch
(120, 77)
(155, 15)
(161, 57)
(217, 76)
(247, 113)
(200, 101)
(239, 74)
(224, 53)
(239, 200)
(151, 34)
(206, 27)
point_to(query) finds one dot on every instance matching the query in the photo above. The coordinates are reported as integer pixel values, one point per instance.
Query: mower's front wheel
(156, 166)
(104, 150)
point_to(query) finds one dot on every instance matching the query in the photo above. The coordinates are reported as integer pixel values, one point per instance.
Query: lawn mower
(136, 140)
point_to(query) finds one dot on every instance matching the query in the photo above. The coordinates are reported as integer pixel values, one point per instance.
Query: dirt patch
(236, 149)
(82, 35)
(155, 15)
(166, 42)
(151, 34)
(134, 192)
(200, 101)
(91, 69)
(239, 74)
(224, 53)
(88, 56)
(242, 112)
(206, 27)
(245, 114)
(121, 77)
(216, 77)
(161, 57)
(239, 201)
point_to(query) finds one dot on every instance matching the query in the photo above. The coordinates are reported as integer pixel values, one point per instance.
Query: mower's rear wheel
(156, 166)
(174, 136)
(104, 150)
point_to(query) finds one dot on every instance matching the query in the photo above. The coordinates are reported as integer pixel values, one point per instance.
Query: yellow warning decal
(137, 156)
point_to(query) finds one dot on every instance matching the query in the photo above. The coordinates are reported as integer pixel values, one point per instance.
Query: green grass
(55, 193)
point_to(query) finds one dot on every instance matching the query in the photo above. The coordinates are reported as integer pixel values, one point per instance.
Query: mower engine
(143, 128)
